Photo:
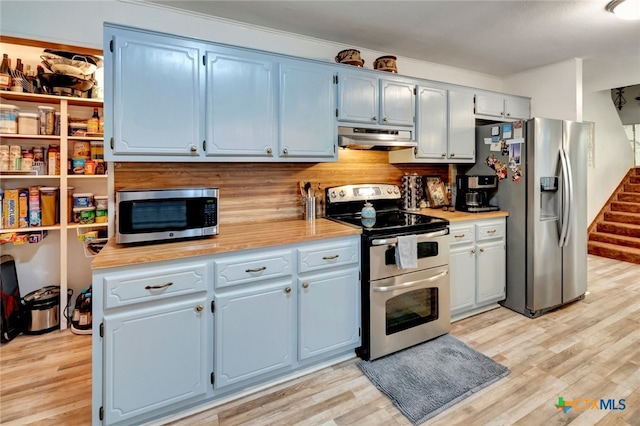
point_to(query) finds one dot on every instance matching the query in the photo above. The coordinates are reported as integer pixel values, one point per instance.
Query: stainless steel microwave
(165, 214)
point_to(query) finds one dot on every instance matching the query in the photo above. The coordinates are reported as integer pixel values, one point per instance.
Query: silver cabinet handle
(193, 148)
(335, 256)
(262, 268)
(305, 285)
(458, 236)
(374, 118)
(493, 231)
(287, 290)
(473, 251)
(285, 151)
(453, 154)
(411, 283)
(158, 287)
(481, 250)
(269, 151)
(199, 308)
(444, 154)
(384, 119)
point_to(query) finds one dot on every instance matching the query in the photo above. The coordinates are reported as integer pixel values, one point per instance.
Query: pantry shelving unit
(72, 267)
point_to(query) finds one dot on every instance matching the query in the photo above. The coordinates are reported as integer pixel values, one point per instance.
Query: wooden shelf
(31, 229)
(32, 137)
(50, 99)
(27, 176)
(87, 177)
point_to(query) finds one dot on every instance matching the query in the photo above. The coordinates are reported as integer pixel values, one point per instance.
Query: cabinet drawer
(462, 234)
(490, 230)
(154, 283)
(327, 256)
(249, 268)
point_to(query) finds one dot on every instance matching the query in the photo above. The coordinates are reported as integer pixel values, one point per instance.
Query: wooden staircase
(615, 233)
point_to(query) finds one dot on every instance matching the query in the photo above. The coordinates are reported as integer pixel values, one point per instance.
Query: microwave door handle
(410, 283)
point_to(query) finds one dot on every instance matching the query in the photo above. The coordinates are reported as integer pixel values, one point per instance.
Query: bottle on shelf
(93, 124)
(5, 73)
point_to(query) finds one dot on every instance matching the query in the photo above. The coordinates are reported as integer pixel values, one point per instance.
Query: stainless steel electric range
(401, 306)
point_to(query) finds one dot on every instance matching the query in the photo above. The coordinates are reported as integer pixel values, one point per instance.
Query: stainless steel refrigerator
(542, 163)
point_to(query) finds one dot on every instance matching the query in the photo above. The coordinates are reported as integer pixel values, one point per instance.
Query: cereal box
(10, 208)
(23, 208)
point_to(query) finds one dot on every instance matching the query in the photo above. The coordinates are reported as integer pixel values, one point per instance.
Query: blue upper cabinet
(152, 101)
(397, 103)
(375, 102)
(357, 98)
(240, 117)
(307, 102)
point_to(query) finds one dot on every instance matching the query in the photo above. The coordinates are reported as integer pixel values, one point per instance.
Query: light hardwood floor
(590, 349)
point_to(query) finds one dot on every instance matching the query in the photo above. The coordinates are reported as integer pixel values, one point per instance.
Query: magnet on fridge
(495, 130)
(506, 131)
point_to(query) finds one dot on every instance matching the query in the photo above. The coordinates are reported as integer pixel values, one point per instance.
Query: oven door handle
(411, 283)
(421, 238)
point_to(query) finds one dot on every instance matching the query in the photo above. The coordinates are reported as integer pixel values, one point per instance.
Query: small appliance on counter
(43, 314)
(149, 215)
(474, 192)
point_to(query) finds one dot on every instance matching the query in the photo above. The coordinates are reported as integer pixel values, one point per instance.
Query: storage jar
(28, 123)
(47, 119)
(84, 215)
(49, 205)
(101, 201)
(97, 150)
(83, 199)
(9, 118)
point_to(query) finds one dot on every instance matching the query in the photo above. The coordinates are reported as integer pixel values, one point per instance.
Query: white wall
(555, 90)
(80, 23)
(613, 154)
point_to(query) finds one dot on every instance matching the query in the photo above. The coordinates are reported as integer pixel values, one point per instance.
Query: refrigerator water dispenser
(549, 198)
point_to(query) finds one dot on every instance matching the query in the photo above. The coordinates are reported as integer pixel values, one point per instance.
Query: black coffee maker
(474, 192)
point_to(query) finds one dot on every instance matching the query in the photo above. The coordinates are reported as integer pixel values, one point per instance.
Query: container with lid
(28, 123)
(9, 118)
(49, 205)
(101, 201)
(97, 150)
(77, 129)
(101, 215)
(84, 215)
(83, 199)
(47, 119)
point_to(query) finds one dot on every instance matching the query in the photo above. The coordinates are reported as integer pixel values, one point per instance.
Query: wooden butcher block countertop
(232, 237)
(463, 216)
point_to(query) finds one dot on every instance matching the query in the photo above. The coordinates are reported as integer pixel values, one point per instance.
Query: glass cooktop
(393, 222)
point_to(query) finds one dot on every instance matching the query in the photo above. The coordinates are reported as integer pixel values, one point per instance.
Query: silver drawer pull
(493, 231)
(335, 256)
(262, 268)
(458, 236)
(411, 283)
(158, 287)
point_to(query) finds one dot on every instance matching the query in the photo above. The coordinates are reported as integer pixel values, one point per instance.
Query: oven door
(408, 309)
(432, 251)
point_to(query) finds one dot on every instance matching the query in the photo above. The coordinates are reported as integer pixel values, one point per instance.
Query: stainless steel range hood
(378, 139)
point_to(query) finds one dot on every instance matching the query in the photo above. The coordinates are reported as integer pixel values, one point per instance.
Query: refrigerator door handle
(571, 214)
(566, 197)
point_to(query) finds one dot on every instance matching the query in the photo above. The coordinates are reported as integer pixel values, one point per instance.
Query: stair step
(621, 206)
(634, 179)
(637, 171)
(622, 217)
(631, 187)
(620, 240)
(612, 251)
(629, 197)
(625, 229)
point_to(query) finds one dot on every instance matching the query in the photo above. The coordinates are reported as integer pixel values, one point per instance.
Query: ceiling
(495, 37)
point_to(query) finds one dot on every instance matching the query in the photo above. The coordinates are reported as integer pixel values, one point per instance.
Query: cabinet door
(397, 103)
(307, 104)
(431, 123)
(517, 108)
(462, 266)
(357, 98)
(329, 312)
(156, 357)
(254, 331)
(490, 105)
(156, 96)
(462, 132)
(240, 104)
(491, 271)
